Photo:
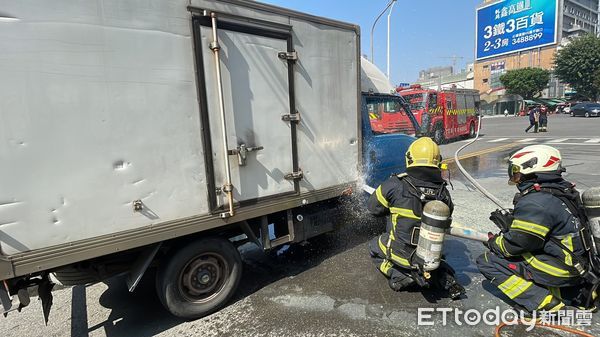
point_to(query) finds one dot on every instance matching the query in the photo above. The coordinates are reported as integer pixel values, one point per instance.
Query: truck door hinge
(288, 55)
(295, 117)
(297, 175)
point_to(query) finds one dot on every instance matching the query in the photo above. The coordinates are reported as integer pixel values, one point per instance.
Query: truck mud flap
(45, 293)
(5, 298)
(140, 266)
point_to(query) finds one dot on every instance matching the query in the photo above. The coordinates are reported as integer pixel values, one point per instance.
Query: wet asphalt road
(329, 287)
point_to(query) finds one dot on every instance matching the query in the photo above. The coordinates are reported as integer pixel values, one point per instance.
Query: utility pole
(388, 37)
(373, 28)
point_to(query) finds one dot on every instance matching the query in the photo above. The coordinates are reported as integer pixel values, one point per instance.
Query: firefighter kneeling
(419, 193)
(539, 259)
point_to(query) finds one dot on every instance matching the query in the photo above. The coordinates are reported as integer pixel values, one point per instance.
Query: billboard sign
(513, 25)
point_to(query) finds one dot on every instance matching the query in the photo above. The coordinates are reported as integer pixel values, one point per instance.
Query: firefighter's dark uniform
(535, 259)
(402, 198)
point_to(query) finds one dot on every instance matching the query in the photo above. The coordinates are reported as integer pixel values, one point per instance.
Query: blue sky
(423, 31)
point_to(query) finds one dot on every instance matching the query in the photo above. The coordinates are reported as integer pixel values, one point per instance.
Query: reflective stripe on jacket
(398, 199)
(538, 217)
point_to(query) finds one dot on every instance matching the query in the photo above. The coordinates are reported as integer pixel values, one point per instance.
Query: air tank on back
(434, 224)
(591, 202)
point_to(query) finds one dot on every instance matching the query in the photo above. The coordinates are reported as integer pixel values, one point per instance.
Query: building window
(485, 80)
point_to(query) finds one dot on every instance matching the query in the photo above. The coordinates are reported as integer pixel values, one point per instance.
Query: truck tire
(199, 278)
(438, 135)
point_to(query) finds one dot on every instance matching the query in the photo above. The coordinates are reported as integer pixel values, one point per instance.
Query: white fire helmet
(535, 159)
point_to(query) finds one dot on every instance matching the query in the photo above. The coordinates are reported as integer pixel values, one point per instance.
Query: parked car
(560, 108)
(573, 103)
(588, 109)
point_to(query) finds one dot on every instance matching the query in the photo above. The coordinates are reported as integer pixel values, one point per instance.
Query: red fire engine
(443, 115)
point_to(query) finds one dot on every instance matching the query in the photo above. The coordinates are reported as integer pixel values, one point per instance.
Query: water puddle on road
(490, 165)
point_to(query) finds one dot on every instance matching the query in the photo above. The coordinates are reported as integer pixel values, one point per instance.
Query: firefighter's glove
(492, 245)
(503, 219)
(490, 235)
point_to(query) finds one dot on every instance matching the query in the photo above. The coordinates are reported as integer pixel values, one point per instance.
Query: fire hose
(499, 327)
(481, 189)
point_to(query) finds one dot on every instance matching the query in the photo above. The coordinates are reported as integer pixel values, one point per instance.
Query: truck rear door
(257, 81)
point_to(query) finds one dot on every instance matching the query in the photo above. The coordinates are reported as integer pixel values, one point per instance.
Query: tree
(596, 82)
(526, 82)
(578, 64)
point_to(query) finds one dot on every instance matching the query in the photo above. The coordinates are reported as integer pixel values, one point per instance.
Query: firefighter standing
(543, 119)
(402, 198)
(537, 259)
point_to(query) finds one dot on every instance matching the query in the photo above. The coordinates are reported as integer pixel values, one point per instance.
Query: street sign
(513, 25)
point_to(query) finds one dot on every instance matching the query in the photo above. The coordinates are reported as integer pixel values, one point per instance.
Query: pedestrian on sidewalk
(534, 116)
(543, 119)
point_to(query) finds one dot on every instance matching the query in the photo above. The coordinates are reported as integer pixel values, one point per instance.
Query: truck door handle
(242, 152)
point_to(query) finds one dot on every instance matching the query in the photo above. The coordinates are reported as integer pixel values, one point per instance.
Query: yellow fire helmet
(423, 152)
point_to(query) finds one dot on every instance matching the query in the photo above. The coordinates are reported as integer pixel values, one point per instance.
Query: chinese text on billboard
(513, 25)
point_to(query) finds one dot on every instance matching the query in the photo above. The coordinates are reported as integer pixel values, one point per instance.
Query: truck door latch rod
(242, 152)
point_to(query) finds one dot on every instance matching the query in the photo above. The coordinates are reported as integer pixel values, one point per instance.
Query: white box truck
(138, 133)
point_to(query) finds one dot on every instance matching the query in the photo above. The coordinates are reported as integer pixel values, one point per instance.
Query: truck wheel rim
(203, 277)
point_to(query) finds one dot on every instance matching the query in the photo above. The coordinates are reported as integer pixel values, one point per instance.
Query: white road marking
(555, 141)
(526, 140)
(579, 144)
(593, 140)
(497, 140)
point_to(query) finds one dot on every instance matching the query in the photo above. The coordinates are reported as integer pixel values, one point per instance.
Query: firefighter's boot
(445, 281)
(400, 283)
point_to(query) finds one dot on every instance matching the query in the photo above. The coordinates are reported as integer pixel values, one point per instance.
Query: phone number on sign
(501, 43)
(527, 38)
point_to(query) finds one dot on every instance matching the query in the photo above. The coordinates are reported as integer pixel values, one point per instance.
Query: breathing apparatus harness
(588, 269)
(424, 196)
